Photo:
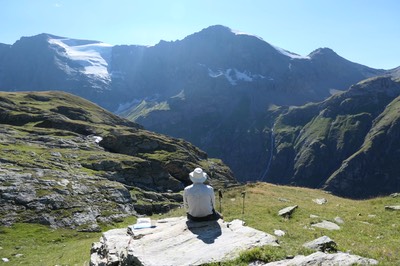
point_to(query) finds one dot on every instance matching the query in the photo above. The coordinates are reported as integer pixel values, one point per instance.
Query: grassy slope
(369, 230)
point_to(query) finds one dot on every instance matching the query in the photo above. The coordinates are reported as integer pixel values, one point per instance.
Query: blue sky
(363, 31)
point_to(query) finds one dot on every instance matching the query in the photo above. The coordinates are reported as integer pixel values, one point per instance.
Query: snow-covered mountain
(212, 88)
(48, 62)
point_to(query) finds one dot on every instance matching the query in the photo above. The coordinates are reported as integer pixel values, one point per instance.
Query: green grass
(145, 108)
(41, 245)
(368, 230)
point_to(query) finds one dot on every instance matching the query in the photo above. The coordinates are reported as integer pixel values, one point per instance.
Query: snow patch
(234, 75)
(95, 138)
(334, 91)
(290, 54)
(237, 32)
(92, 56)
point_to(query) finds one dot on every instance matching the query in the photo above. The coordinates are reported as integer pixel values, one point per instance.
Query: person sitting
(199, 198)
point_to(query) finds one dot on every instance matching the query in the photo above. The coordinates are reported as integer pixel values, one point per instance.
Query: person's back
(199, 199)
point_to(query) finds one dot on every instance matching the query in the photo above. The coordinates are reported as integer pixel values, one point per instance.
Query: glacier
(93, 56)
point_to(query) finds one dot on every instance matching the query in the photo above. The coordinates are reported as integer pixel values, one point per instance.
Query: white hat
(198, 176)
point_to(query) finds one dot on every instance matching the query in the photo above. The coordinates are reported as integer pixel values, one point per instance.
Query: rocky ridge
(67, 162)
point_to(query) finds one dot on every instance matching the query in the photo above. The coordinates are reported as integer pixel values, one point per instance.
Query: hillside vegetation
(346, 144)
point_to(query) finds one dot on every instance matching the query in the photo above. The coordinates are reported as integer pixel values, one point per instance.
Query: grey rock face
(174, 241)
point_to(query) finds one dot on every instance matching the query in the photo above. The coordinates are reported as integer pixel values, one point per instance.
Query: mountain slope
(218, 85)
(67, 162)
(376, 163)
(213, 88)
(345, 144)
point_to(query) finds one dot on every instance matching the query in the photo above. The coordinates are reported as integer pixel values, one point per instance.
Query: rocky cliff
(66, 162)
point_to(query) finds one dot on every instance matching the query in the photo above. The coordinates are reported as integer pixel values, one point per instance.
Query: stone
(5, 259)
(339, 220)
(175, 241)
(320, 201)
(393, 208)
(283, 200)
(327, 225)
(288, 211)
(395, 195)
(323, 244)
(279, 233)
(322, 259)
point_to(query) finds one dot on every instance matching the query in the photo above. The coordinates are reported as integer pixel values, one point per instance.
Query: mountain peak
(322, 52)
(40, 37)
(221, 29)
(217, 29)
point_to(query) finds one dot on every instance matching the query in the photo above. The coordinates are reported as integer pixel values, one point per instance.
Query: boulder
(323, 244)
(287, 212)
(175, 241)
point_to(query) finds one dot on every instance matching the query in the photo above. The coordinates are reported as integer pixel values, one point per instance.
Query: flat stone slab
(393, 208)
(327, 225)
(175, 241)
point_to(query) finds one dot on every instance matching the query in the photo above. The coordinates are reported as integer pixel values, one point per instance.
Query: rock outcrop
(175, 241)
